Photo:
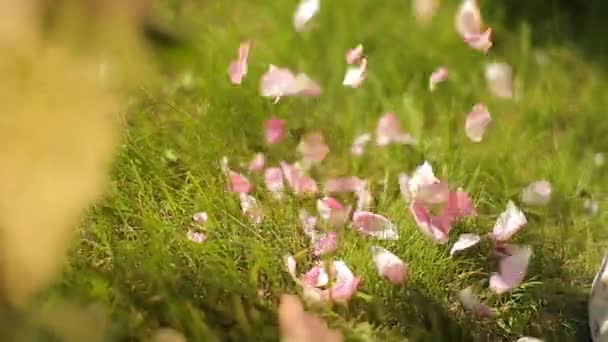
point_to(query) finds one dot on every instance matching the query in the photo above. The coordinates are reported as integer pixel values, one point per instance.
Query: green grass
(132, 259)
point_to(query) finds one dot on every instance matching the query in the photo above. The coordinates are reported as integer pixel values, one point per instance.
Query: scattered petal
(355, 75)
(591, 206)
(422, 177)
(375, 225)
(499, 78)
(480, 41)
(279, 82)
(359, 143)
(195, 236)
(537, 193)
(599, 160)
(313, 147)
(459, 205)
(437, 77)
(325, 244)
(251, 208)
(389, 131)
(333, 211)
(306, 10)
(470, 302)
(436, 228)
(465, 241)
(425, 10)
(297, 325)
(508, 223)
(343, 184)
(354, 55)
(257, 163)
(477, 121)
(468, 18)
(299, 183)
(511, 270)
(273, 179)
(200, 217)
(238, 68)
(275, 130)
(389, 265)
(239, 183)
(345, 285)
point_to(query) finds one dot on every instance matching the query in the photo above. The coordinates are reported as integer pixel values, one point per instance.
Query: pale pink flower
(511, 270)
(476, 123)
(537, 193)
(499, 78)
(374, 225)
(437, 77)
(389, 131)
(313, 148)
(238, 68)
(257, 163)
(508, 223)
(389, 265)
(354, 55)
(275, 130)
(358, 147)
(465, 241)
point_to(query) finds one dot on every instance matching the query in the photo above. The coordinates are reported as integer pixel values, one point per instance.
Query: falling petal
(437, 77)
(425, 10)
(508, 223)
(325, 244)
(423, 176)
(195, 236)
(251, 208)
(465, 241)
(599, 160)
(279, 82)
(345, 285)
(470, 302)
(480, 41)
(511, 270)
(257, 163)
(537, 193)
(306, 10)
(275, 130)
(389, 265)
(459, 205)
(374, 225)
(343, 184)
(355, 75)
(354, 55)
(389, 131)
(364, 197)
(477, 121)
(468, 18)
(436, 228)
(273, 179)
(359, 143)
(200, 217)
(313, 147)
(499, 79)
(239, 183)
(238, 68)
(297, 181)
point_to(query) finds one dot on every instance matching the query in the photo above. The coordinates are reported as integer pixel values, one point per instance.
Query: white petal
(465, 241)
(306, 10)
(355, 75)
(375, 225)
(476, 123)
(537, 193)
(422, 176)
(508, 223)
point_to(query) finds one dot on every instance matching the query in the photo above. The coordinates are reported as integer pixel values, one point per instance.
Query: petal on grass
(358, 147)
(374, 225)
(508, 223)
(476, 123)
(465, 241)
(251, 208)
(459, 205)
(201, 217)
(238, 68)
(537, 193)
(471, 303)
(422, 176)
(511, 270)
(257, 163)
(345, 285)
(436, 228)
(313, 147)
(325, 244)
(275, 130)
(196, 236)
(354, 55)
(389, 131)
(499, 78)
(306, 10)
(389, 265)
(437, 77)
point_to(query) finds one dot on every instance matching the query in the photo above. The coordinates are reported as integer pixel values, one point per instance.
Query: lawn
(133, 270)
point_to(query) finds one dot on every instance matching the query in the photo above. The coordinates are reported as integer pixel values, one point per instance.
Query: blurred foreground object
(299, 326)
(59, 124)
(598, 304)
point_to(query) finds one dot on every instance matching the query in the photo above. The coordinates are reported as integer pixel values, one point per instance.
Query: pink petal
(537, 193)
(279, 82)
(354, 55)
(459, 205)
(499, 78)
(251, 208)
(502, 250)
(306, 10)
(468, 18)
(275, 130)
(508, 223)
(273, 179)
(389, 265)
(333, 211)
(355, 75)
(316, 276)
(200, 217)
(423, 176)
(239, 183)
(470, 302)
(389, 131)
(327, 243)
(238, 68)
(436, 228)
(195, 236)
(481, 41)
(374, 225)
(313, 147)
(437, 77)
(345, 285)
(364, 197)
(297, 181)
(359, 144)
(257, 163)
(425, 10)
(465, 241)
(477, 122)
(343, 184)
(512, 271)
